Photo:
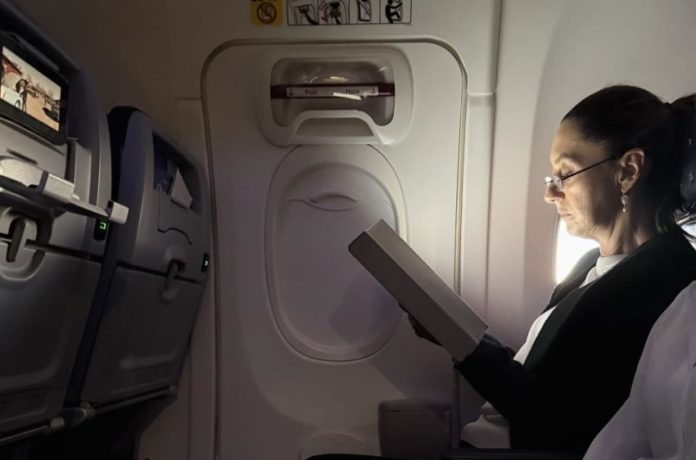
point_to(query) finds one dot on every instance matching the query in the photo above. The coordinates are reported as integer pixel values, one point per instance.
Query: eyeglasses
(557, 181)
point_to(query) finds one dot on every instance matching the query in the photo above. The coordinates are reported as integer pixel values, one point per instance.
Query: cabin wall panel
(124, 46)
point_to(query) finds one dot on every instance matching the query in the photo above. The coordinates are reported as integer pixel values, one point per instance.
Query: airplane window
(569, 249)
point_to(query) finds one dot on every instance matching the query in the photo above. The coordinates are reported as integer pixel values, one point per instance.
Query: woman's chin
(578, 232)
(572, 228)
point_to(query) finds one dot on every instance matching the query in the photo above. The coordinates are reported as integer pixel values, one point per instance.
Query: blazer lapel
(564, 298)
(574, 278)
(553, 324)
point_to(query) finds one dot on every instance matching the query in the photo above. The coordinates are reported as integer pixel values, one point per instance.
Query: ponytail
(684, 110)
(624, 117)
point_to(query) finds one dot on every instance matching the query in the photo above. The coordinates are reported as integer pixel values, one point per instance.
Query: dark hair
(625, 117)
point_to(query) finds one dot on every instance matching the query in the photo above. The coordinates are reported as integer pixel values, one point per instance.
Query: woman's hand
(418, 328)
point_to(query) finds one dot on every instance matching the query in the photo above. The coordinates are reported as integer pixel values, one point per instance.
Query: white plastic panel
(327, 306)
(321, 381)
(470, 28)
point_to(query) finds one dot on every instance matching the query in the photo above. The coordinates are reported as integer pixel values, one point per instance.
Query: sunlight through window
(569, 249)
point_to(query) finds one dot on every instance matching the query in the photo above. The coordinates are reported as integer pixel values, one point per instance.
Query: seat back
(55, 172)
(154, 270)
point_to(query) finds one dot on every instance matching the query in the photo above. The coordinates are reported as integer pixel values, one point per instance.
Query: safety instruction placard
(347, 12)
(267, 12)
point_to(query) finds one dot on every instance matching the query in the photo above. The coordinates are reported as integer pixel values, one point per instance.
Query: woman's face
(590, 201)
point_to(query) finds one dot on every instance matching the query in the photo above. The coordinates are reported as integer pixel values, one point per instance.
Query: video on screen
(30, 91)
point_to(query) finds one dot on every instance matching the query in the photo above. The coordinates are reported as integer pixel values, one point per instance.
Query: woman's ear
(631, 166)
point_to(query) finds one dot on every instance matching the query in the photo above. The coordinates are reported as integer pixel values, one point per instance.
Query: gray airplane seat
(55, 189)
(154, 273)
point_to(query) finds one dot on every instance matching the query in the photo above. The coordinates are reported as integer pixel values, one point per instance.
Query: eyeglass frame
(557, 181)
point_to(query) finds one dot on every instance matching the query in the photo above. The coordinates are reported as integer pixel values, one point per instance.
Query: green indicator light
(101, 229)
(205, 263)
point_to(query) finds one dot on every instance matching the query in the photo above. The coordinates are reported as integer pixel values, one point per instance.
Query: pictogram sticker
(334, 12)
(348, 12)
(394, 11)
(266, 12)
(364, 11)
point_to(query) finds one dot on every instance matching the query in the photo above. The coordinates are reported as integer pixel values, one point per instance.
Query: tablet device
(32, 94)
(419, 289)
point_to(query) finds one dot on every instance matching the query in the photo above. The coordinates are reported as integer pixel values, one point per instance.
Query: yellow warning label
(266, 12)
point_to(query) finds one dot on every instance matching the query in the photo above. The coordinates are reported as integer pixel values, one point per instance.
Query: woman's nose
(552, 194)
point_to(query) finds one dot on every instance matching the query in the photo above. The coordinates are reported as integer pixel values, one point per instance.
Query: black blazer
(580, 368)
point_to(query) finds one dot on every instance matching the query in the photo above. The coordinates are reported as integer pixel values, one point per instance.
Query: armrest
(507, 454)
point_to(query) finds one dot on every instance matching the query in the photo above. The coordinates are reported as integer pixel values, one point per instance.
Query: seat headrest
(118, 125)
(688, 180)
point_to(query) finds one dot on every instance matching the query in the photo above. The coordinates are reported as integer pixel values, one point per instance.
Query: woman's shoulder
(663, 255)
(643, 285)
(682, 311)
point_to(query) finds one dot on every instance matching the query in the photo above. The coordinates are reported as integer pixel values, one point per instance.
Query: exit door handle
(317, 127)
(48, 190)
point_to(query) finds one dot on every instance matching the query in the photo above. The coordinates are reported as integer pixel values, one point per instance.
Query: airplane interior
(180, 183)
